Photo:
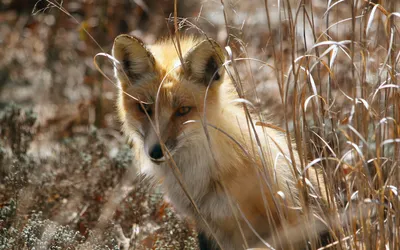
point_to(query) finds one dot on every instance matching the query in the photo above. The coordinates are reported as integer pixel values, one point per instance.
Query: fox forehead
(171, 74)
(175, 89)
(166, 53)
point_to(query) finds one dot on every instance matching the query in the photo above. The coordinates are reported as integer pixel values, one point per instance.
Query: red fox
(181, 112)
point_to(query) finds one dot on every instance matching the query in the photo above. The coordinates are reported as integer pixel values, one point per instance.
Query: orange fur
(220, 176)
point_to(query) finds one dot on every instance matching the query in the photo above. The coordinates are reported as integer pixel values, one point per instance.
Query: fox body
(180, 114)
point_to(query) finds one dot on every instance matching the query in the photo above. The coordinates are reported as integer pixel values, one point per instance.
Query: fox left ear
(135, 60)
(204, 62)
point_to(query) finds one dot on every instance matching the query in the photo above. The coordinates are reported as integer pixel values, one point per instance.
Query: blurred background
(66, 177)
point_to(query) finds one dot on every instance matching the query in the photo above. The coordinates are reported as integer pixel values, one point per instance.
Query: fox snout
(153, 147)
(155, 152)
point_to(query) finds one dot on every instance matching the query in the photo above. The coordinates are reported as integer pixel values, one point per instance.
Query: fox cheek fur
(154, 77)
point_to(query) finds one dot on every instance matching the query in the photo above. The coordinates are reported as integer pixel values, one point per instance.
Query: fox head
(160, 91)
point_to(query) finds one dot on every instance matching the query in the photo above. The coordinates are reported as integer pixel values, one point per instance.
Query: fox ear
(135, 60)
(204, 62)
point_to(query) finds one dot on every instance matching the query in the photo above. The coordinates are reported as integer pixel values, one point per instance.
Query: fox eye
(144, 108)
(184, 110)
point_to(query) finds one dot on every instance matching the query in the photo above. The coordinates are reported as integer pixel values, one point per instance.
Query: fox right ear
(205, 62)
(135, 60)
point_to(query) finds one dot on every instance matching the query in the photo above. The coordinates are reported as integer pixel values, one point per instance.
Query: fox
(192, 134)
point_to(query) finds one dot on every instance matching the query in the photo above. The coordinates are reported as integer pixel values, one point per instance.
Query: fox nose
(156, 152)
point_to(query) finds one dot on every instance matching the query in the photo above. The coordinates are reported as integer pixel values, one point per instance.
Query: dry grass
(327, 72)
